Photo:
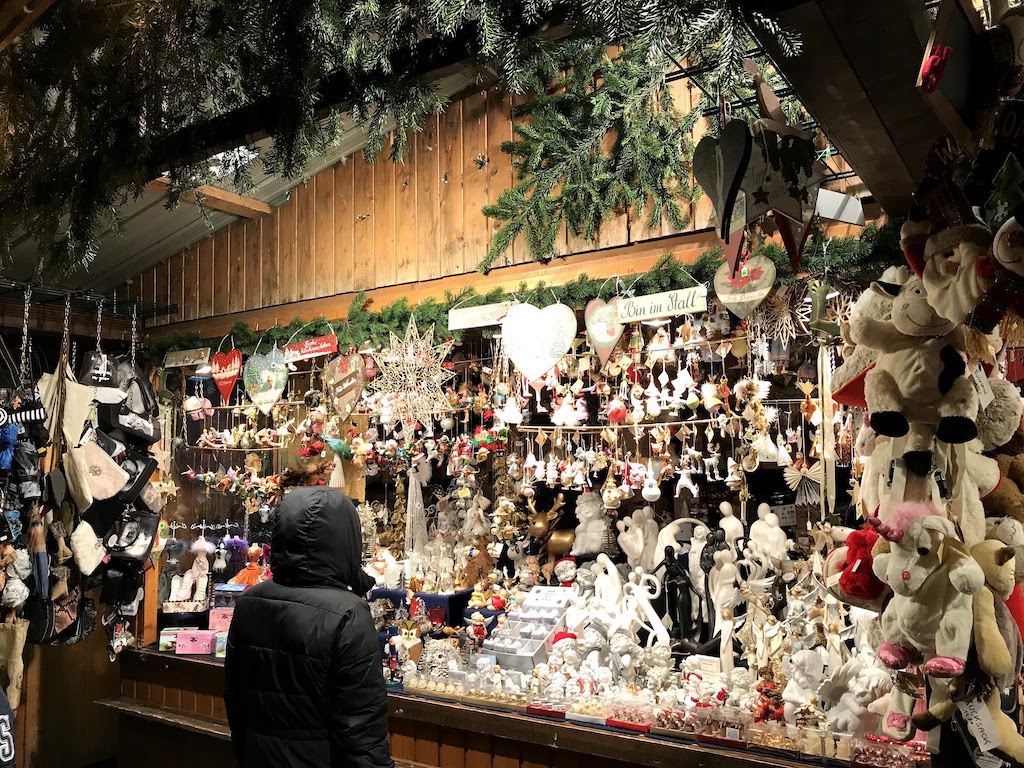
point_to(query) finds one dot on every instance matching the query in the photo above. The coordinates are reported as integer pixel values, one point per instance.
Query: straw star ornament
(411, 377)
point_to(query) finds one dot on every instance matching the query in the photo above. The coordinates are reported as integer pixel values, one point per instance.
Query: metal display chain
(99, 324)
(135, 327)
(23, 373)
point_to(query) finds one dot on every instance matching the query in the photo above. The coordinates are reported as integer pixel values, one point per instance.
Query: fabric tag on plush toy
(985, 394)
(980, 723)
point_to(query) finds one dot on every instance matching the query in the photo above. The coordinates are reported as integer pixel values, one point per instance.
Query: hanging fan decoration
(806, 481)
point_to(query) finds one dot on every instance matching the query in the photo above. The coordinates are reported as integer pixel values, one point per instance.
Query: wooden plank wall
(359, 225)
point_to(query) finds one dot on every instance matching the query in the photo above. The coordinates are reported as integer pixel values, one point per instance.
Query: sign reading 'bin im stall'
(684, 301)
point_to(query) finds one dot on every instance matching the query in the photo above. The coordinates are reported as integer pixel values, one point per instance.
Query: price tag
(732, 734)
(985, 394)
(985, 760)
(980, 723)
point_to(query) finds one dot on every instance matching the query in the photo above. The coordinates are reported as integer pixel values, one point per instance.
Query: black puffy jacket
(303, 681)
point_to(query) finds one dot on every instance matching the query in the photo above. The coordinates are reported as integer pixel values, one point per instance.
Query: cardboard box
(221, 651)
(168, 637)
(226, 595)
(198, 642)
(220, 619)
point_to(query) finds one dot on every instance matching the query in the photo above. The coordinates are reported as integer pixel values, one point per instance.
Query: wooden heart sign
(265, 378)
(226, 367)
(719, 165)
(345, 378)
(604, 329)
(743, 292)
(536, 339)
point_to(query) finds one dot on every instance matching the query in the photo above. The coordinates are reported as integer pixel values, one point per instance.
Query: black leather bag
(131, 536)
(140, 467)
(98, 370)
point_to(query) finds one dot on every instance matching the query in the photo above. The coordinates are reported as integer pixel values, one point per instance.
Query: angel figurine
(805, 479)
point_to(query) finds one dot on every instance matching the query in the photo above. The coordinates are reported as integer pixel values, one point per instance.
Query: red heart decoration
(226, 367)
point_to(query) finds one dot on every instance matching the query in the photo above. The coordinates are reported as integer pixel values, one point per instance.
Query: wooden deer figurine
(556, 544)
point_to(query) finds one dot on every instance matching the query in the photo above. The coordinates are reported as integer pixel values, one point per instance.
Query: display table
(171, 706)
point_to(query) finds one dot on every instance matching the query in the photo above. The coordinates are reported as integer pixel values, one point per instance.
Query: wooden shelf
(169, 692)
(162, 716)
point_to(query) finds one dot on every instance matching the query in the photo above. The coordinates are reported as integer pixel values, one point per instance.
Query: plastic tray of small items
(631, 715)
(774, 737)
(592, 710)
(678, 723)
(450, 688)
(838, 748)
(493, 687)
(554, 710)
(812, 745)
(726, 727)
(877, 751)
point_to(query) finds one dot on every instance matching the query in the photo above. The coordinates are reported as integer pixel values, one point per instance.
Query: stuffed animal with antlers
(554, 543)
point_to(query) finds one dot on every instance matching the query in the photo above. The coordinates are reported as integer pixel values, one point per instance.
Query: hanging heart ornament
(719, 164)
(265, 378)
(226, 367)
(743, 292)
(345, 378)
(536, 339)
(604, 329)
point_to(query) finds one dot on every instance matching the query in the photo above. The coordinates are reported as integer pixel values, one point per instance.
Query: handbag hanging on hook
(98, 368)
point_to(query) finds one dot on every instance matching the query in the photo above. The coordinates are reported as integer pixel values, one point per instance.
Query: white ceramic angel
(802, 688)
(590, 531)
(726, 656)
(850, 690)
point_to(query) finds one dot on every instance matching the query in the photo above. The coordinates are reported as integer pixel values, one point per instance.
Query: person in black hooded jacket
(304, 686)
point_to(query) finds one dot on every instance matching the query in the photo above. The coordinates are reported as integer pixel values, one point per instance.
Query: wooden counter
(171, 706)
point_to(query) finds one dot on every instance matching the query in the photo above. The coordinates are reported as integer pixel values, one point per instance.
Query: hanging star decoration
(411, 377)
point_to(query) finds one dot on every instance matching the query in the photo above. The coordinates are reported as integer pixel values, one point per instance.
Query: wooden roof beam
(216, 198)
(18, 15)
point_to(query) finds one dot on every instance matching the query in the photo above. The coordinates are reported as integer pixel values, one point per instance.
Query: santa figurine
(565, 571)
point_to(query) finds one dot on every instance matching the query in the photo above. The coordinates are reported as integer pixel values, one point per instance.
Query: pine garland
(101, 97)
(849, 263)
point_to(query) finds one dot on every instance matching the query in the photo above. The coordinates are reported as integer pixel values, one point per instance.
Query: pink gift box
(199, 642)
(220, 619)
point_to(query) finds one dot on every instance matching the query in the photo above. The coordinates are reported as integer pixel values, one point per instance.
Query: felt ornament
(920, 374)
(344, 378)
(782, 174)
(719, 164)
(265, 378)
(743, 292)
(226, 366)
(536, 339)
(604, 329)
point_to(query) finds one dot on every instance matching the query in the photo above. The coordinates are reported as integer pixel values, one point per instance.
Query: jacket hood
(318, 541)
